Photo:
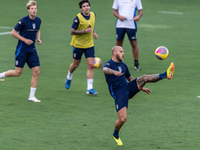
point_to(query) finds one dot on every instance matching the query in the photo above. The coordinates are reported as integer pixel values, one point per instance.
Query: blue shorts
(120, 32)
(122, 97)
(31, 58)
(78, 52)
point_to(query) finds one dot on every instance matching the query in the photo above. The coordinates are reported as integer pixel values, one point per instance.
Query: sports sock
(2, 75)
(116, 134)
(69, 75)
(89, 84)
(32, 92)
(136, 62)
(163, 75)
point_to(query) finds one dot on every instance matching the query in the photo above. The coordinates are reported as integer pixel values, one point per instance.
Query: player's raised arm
(111, 71)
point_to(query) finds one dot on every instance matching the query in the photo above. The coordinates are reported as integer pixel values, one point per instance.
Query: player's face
(32, 11)
(85, 9)
(120, 54)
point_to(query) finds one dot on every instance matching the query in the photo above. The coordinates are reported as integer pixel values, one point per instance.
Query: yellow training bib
(84, 40)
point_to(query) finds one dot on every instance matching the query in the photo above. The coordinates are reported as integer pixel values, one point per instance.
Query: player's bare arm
(148, 91)
(15, 34)
(94, 34)
(131, 78)
(76, 32)
(137, 18)
(38, 38)
(111, 71)
(115, 13)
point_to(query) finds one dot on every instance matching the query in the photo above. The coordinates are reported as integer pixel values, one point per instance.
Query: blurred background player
(125, 11)
(83, 32)
(29, 30)
(116, 74)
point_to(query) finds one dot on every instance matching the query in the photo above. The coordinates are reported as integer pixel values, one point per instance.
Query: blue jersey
(116, 83)
(27, 28)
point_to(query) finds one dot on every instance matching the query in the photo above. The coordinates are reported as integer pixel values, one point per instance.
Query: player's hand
(136, 18)
(39, 42)
(117, 73)
(95, 35)
(148, 91)
(88, 30)
(29, 42)
(122, 18)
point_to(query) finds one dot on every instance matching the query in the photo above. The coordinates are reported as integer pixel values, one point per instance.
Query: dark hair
(83, 1)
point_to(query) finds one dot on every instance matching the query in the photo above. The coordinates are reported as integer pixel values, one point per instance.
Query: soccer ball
(97, 62)
(161, 52)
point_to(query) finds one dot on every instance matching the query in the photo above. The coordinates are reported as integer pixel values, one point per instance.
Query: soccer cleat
(118, 141)
(170, 71)
(137, 68)
(91, 92)
(67, 83)
(33, 99)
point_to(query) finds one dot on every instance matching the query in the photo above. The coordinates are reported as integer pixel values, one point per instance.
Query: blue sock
(116, 134)
(163, 75)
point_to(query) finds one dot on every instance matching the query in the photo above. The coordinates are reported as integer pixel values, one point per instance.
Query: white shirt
(127, 8)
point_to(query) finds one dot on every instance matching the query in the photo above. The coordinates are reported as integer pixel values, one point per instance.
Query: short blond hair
(114, 48)
(31, 3)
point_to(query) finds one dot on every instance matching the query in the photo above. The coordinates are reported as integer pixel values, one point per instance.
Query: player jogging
(26, 31)
(116, 74)
(83, 32)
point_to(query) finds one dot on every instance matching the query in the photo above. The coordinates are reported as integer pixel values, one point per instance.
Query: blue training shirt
(27, 28)
(116, 83)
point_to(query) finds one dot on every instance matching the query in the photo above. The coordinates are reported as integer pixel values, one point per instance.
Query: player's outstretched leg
(170, 71)
(141, 81)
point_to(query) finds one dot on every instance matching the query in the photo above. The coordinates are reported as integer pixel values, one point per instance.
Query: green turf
(167, 119)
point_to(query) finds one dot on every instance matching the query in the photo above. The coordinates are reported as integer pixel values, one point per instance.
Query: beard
(118, 58)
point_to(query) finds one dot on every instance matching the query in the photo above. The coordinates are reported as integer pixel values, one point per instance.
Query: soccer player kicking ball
(26, 31)
(116, 74)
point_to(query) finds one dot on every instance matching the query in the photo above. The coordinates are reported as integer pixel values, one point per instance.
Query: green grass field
(166, 119)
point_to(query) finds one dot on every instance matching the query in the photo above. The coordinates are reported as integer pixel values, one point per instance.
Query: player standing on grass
(26, 31)
(116, 74)
(83, 32)
(125, 11)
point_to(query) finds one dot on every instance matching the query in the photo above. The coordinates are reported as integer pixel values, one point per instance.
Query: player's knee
(75, 65)
(123, 119)
(91, 65)
(144, 76)
(17, 73)
(36, 72)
